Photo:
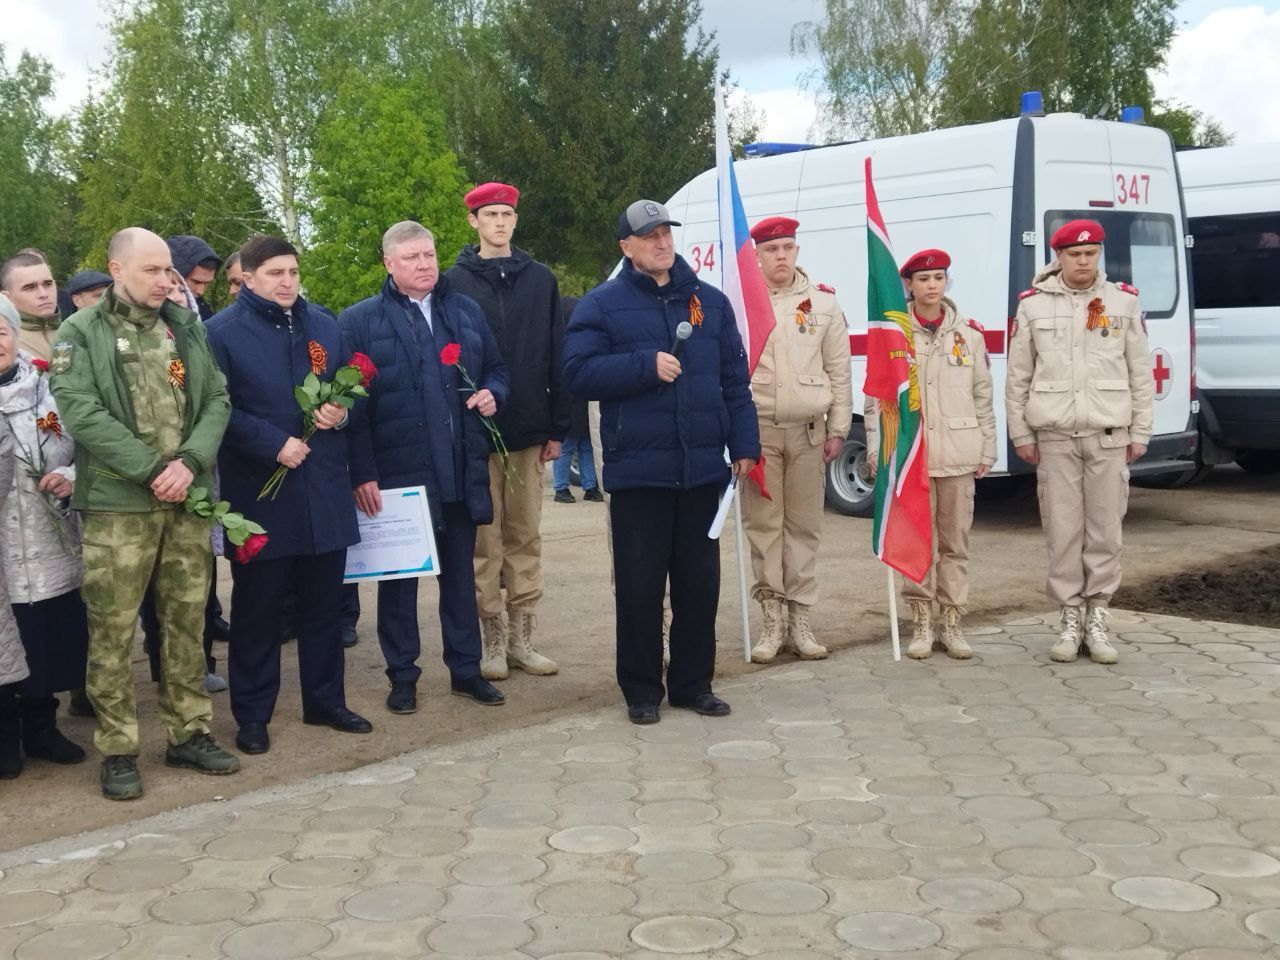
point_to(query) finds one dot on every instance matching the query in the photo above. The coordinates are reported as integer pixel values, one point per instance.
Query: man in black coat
(197, 264)
(521, 303)
(416, 429)
(266, 344)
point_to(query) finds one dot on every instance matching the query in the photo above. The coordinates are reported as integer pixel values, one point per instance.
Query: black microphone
(683, 332)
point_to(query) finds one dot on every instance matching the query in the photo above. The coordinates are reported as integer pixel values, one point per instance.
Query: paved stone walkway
(1006, 808)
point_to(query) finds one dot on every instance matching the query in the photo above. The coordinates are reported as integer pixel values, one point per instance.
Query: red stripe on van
(857, 344)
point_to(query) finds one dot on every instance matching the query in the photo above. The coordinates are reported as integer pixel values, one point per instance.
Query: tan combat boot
(493, 655)
(800, 638)
(520, 652)
(1068, 646)
(953, 637)
(921, 646)
(774, 632)
(1096, 638)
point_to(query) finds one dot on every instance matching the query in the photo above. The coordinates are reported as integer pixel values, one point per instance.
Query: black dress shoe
(349, 636)
(480, 690)
(707, 704)
(403, 697)
(643, 713)
(340, 719)
(253, 738)
(217, 629)
(593, 495)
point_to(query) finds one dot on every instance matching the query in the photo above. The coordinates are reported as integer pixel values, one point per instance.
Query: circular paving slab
(1171, 806)
(74, 941)
(1045, 862)
(884, 930)
(676, 813)
(497, 869)
(1265, 923)
(682, 934)
(318, 873)
(680, 866)
(479, 936)
(276, 940)
(1227, 786)
(1262, 831)
(420, 842)
(251, 844)
(840, 812)
(1004, 808)
(351, 819)
(939, 834)
(203, 906)
(1065, 785)
(764, 836)
(861, 863)
(27, 906)
(586, 898)
(598, 791)
(592, 839)
(970, 895)
(601, 753)
(672, 770)
(1230, 861)
(743, 750)
(1124, 764)
(1094, 929)
(778, 897)
(513, 816)
(395, 901)
(752, 788)
(1111, 833)
(973, 765)
(1164, 893)
(130, 876)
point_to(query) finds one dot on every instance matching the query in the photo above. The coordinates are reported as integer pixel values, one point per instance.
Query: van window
(1237, 260)
(1141, 249)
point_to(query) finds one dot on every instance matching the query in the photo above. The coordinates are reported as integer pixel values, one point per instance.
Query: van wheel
(1260, 461)
(849, 488)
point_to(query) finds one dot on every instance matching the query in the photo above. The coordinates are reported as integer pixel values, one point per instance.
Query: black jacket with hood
(521, 302)
(189, 252)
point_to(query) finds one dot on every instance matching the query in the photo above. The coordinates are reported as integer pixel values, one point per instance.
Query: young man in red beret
(521, 303)
(803, 394)
(1079, 396)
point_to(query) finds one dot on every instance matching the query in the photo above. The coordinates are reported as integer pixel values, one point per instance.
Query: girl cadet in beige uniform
(960, 420)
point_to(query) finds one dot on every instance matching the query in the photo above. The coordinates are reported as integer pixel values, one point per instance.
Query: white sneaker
(1096, 638)
(1068, 646)
(214, 683)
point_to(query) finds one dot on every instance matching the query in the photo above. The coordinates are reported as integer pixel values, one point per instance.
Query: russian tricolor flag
(740, 276)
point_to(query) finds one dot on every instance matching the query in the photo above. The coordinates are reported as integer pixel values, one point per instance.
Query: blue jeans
(586, 463)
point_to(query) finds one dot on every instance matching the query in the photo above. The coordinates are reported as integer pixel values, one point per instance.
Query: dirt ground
(1196, 534)
(1243, 590)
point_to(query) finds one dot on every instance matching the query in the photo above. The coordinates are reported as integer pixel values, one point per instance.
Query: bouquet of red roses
(451, 356)
(348, 383)
(248, 537)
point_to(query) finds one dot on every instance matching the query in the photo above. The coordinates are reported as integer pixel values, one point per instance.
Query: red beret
(490, 193)
(774, 228)
(1076, 233)
(931, 259)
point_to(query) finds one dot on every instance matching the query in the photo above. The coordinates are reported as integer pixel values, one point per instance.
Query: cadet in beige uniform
(803, 393)
(960, 420)
(1079, 397)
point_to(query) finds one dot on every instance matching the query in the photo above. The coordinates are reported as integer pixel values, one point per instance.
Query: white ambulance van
(1233, 207)
(991, 195)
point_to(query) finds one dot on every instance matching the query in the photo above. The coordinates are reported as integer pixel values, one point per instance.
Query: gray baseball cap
(643, 217)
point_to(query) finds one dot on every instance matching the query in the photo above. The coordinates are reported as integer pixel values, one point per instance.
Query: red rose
(41, 365)
(367, 370)
(451, 354)
(253, 546)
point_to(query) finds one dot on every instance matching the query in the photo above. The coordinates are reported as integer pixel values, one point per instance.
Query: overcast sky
(1225, 60)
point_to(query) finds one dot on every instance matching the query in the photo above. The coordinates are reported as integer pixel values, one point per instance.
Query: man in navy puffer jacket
(417, 430)
(664, 424)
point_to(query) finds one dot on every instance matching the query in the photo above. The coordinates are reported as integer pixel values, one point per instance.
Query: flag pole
(742, 577)
(893, 616)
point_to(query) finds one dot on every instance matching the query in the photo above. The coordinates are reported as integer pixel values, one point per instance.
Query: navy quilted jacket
(654, 434)
(388, 433)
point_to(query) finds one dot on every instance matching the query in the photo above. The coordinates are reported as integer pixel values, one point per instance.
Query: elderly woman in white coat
(41, 549)
(13, 661)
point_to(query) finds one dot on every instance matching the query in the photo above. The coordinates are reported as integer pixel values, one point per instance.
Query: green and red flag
(902, 536)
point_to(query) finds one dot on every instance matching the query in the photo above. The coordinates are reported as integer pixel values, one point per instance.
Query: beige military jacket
(956, 393)
(803, 374)
(1066, 378)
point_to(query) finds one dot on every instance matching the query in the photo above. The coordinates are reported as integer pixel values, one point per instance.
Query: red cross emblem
(1162, 371)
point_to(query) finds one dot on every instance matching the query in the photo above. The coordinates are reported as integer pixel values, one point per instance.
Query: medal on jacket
(1097, 319)
(803, 309)
(960, 355)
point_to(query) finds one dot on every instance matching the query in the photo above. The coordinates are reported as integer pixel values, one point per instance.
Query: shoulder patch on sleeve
(1028, 293)
(976, 325)
(1128, 288)
(826, 288)
(60, 357)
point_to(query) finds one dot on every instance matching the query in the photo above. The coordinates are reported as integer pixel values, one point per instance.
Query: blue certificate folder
(396, 544)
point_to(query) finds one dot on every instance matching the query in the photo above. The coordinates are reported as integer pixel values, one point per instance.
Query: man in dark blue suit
(665, 422)
(416, 429)
(266, 343)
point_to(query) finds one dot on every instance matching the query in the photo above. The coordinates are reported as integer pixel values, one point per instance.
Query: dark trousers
(151, 624)
(660, 534)
(459, 622)
(253, 655)
(350, 604)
